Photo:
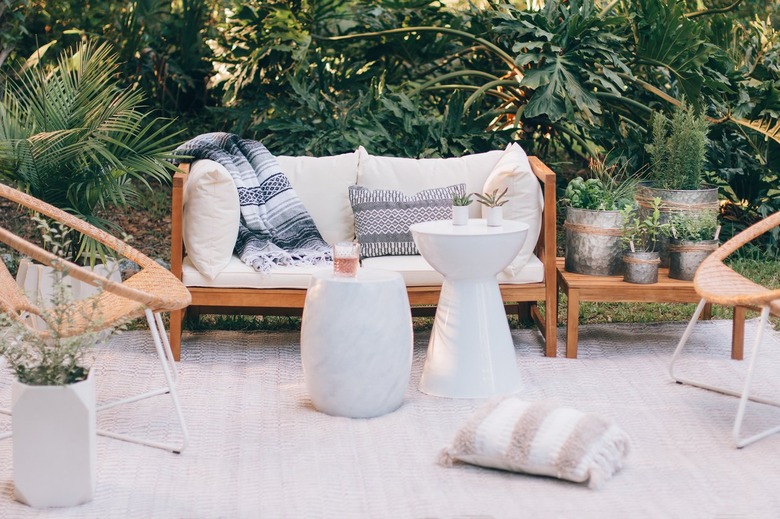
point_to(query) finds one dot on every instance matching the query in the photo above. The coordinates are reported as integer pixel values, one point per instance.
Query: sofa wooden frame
(522, 299)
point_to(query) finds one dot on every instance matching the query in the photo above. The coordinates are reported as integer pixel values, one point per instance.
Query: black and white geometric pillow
(383, 217)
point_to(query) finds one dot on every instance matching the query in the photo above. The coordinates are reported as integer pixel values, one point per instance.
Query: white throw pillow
(321, 183)
(541, 438)
(525, 199)
(211, 217)
(411, 176)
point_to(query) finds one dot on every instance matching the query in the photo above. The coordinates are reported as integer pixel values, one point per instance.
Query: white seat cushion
(418, 272)
(414, 269)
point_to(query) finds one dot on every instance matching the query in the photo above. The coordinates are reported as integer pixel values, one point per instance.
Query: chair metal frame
(148, 293)
(717, 283)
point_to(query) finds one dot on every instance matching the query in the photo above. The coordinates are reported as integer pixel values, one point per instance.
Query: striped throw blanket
(275, 227)
(541, 438)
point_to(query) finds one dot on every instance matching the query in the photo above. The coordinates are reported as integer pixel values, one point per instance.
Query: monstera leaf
(570, 51)
(665, 38)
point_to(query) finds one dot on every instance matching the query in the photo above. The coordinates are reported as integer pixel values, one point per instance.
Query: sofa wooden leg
(175, 327)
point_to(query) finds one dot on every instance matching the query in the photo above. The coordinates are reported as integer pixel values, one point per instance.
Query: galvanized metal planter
(686, 256)
(593, 244)
(675, 201)
(641, 267)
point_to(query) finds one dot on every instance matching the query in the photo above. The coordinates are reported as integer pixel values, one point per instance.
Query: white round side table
(356, 342)
(470, 353)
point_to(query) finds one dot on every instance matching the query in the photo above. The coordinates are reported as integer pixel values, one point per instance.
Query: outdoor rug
(259, 449)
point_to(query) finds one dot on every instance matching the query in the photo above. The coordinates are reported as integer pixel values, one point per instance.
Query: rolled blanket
(275, 227)
(540, 438)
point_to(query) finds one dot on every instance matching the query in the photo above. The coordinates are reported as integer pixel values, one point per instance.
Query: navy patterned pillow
(383, 217)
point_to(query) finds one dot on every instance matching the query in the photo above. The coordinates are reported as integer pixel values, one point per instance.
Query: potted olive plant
(693, 237)
(53, 399)
(492, 203)
(677, 150)
(640, 235)
(593, 219)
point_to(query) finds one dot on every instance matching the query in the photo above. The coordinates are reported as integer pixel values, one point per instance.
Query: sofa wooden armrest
(264, 301)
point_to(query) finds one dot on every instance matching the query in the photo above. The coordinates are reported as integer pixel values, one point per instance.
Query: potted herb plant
(53, 401)
(593, 220)
(640, 236)
(677, 150)
(492, 203)
(693, 237)
(460, 208)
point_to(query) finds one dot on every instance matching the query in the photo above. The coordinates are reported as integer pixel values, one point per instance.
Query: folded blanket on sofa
(275, 227)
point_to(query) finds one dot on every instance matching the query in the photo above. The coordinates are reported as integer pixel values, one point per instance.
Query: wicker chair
(719, 284)
(149, 292)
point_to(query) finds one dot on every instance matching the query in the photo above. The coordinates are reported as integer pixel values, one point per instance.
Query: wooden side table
(579, 287)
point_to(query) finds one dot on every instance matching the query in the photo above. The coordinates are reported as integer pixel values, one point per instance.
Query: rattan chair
(716, 283)
(150, 291)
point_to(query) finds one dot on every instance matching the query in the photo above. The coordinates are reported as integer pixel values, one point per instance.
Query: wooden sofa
(520, 298)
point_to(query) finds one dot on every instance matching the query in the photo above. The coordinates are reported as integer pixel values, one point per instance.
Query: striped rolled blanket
(540, 438)
(275, 228)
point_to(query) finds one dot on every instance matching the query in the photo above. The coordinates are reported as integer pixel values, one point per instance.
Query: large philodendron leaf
(664, 37)
(568, 51)
(554, 85)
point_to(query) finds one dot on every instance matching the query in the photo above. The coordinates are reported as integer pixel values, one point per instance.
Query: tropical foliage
(71, 137)
(568, 79)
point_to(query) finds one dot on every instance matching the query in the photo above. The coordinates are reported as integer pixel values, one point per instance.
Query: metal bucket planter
(593, 244)
(641, 267)
(686, 256)
(675, 201)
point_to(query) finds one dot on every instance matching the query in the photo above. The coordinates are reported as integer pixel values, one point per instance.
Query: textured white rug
(259, 449)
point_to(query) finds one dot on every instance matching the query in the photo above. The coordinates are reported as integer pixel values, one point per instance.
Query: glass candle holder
(346, 258)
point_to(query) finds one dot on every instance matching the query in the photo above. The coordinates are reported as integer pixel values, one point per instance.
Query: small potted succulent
(460, 208)
(693, 237)
(492, 203)
(641, 233)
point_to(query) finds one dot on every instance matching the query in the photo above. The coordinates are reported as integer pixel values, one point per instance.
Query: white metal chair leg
(744, 395)
(6, 434)
(169, 371)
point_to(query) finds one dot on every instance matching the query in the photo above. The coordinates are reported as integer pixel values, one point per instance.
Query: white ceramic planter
(493, 215)
(54, 437)
(37, 281)
(460, 214)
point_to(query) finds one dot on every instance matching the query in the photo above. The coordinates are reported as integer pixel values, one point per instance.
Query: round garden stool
(356, 342)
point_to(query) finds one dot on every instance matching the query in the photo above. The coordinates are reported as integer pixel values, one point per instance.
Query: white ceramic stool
(470, 353)
(356, 343)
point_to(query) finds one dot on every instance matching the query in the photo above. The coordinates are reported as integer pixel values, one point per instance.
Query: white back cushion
(211, 217)
(322, 183)
(413, 175)
(525, 199)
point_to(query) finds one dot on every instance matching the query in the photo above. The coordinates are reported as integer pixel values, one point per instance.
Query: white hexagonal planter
(54, 437)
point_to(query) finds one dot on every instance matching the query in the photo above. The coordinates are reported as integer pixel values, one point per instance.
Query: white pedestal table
(470, 353)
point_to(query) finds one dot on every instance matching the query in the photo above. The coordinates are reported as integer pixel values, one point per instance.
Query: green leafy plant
(494, 199)
(641, 232)
(57, 358)
(72, 137)
(678, 149)
(463, 200)
(694, 225)
(609, 188)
